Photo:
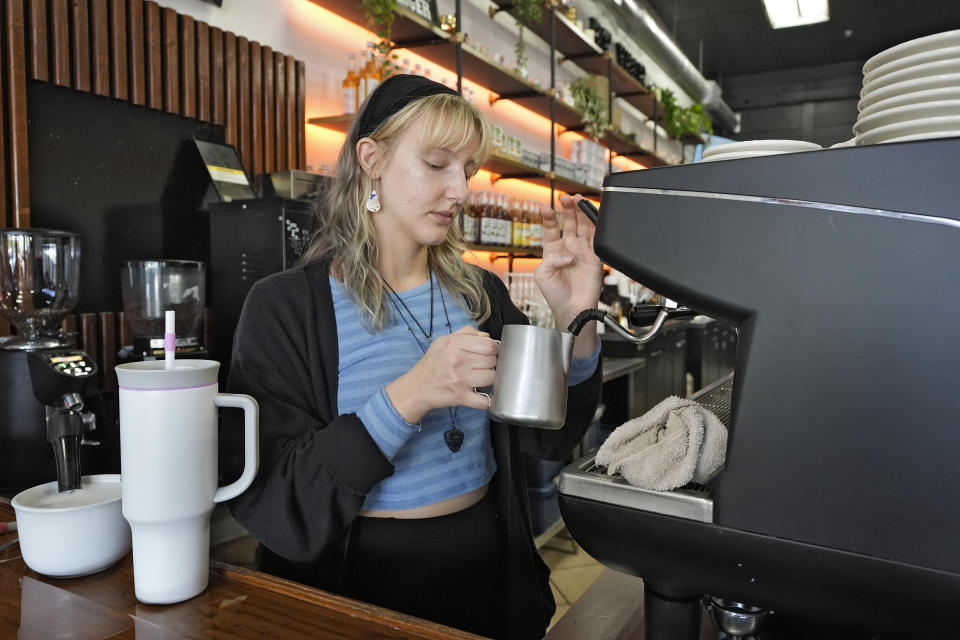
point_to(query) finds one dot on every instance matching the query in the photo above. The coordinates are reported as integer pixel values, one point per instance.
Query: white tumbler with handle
(168, 468)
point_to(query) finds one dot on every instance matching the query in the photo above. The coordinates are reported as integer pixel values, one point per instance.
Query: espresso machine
(837, 513)
(52, 424)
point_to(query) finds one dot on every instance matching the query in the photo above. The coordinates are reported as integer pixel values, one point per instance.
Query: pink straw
(169, 340)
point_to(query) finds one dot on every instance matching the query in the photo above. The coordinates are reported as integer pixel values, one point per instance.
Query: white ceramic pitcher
(168, 468)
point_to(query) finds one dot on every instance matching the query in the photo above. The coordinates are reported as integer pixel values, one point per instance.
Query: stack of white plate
(756, 148)
(911, 91)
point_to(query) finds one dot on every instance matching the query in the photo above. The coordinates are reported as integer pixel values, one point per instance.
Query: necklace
(428, 336)
(453, 437)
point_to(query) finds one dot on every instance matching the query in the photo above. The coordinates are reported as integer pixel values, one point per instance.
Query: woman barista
(382, 476)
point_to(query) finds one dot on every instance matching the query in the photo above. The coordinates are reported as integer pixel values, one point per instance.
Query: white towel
(675, 443)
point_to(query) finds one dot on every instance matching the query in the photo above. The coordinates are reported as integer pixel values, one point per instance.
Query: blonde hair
(345, 233)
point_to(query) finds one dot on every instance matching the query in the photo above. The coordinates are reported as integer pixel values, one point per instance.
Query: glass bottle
(516, 235)
(470, 219)
(536, 225)
(483, 219)
(504, 223)
(350, 85)
(375, 75)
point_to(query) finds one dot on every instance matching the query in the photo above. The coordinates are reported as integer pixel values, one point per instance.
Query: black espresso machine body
(840, 268)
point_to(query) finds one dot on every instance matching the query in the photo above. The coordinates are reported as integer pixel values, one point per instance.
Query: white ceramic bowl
(75, 533)
(922, 128)
(932, 68)
(742, 154)
(906, 113)
(926, 83)
(913, 47)
(930, 135)
(945, 53)
(778, 146)
(913, 97)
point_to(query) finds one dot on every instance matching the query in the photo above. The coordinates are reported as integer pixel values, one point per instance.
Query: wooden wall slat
(126, 336)
(80, 44)
(153, 34)
(290, 67)
(59, 43)
(16, 111)
(301, 115)
(188, 67)
(118, 49)
(279, 114)
(218, 95)
(248, 85)
(100, 47)
(203, 72)
(266, 112)
(231, 98)
(69, 327)
(37, 19)
(171, 60)
(136, 68)
(107, 358)
(88, 333)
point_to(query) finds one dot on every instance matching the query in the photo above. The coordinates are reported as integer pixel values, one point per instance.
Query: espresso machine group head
(838, 500)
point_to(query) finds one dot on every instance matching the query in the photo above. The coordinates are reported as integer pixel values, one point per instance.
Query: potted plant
(679, 121)
(524, 12)
(380, 15)
(592, 106)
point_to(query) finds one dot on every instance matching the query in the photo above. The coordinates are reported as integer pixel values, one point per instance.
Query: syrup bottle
(350, 86)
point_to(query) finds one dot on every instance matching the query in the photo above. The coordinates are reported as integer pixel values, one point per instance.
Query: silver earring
(373, 202)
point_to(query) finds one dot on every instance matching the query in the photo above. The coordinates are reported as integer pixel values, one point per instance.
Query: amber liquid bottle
(516, 225)
(350, 86)
(536, 225)
(485, 218)
(503, 221)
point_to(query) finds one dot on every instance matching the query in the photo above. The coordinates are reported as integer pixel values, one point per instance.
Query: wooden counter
(238, 603)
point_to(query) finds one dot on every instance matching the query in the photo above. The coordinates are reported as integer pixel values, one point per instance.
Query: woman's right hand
(446, 375)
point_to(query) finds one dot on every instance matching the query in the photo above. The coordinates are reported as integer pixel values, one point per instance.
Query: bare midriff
(442, 508)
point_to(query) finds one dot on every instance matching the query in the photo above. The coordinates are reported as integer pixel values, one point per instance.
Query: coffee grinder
(150, 288)
(43, 377)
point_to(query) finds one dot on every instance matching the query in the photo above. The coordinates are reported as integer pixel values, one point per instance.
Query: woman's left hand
(570, 275)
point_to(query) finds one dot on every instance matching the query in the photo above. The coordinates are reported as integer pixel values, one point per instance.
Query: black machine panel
(844, 430)
(249, 240)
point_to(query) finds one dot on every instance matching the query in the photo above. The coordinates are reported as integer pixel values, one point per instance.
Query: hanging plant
(679, 121)
(524, 12)
(380, 15)
(593, 108)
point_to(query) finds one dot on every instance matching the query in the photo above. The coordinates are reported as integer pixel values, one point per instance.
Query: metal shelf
(571, 42)
(516, 252)
(409, 29)
(508, 169)
(339, 123)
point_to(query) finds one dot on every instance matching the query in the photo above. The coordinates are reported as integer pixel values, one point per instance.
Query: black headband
(391, 96)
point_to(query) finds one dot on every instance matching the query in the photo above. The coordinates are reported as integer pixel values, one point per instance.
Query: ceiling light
(793, 13)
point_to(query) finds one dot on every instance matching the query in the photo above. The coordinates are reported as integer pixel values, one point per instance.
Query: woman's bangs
(455, 125)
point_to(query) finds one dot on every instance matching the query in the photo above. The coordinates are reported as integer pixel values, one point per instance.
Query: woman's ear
(369, 155)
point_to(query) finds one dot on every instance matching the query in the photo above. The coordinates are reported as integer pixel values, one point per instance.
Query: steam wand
(638, 314)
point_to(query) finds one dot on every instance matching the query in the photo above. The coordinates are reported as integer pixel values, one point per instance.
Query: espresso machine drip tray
(585, 479)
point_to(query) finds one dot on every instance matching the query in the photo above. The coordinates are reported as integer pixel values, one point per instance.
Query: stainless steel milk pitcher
(530, 387)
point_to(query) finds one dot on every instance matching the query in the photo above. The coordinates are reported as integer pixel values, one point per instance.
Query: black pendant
(454, 438)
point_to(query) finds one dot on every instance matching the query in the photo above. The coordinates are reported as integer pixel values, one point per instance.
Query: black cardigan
(316, 466)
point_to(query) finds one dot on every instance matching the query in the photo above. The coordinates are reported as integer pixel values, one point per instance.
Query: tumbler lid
(150, 375)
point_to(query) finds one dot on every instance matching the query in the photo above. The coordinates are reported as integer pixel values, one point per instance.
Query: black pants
(448, 569)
